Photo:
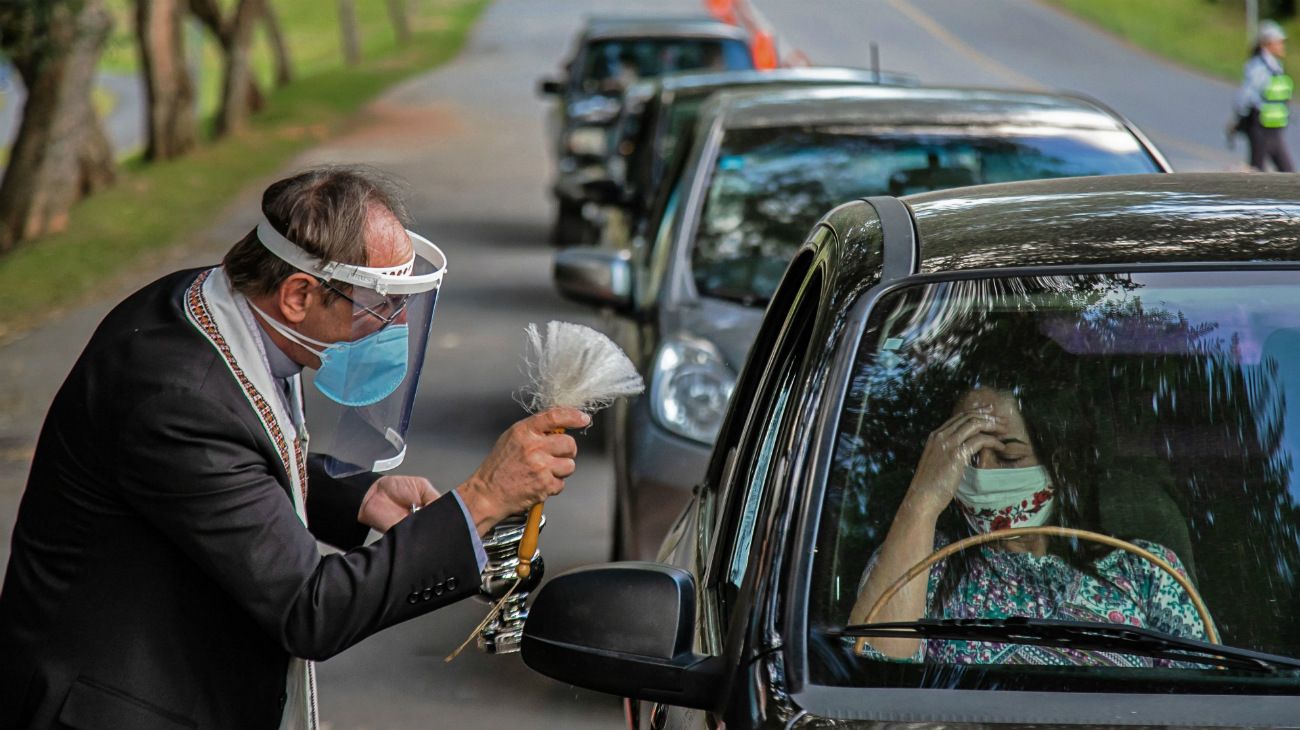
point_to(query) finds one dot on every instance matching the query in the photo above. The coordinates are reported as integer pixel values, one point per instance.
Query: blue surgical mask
(357, 373)
(364, 371)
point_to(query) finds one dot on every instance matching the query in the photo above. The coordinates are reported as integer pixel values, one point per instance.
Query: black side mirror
(549, 87)
(625, 629)
(595, 276)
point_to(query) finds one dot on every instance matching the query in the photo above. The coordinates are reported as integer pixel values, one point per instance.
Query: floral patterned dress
(1125, 590)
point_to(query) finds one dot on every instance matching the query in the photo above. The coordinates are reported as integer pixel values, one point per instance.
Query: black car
(761, 168)
(655, 121)
(1145, 333)
(610, 55)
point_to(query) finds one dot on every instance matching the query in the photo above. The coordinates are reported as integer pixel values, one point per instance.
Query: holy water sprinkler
(570, 366)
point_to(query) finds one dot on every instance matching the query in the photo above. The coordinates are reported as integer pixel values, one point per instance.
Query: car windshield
(610, 66)
(771, 185)
(1158, 411)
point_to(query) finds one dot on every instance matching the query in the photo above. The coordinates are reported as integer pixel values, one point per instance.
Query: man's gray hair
(323, 210)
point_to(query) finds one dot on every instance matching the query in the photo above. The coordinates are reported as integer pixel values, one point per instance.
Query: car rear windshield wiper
(1080, 635)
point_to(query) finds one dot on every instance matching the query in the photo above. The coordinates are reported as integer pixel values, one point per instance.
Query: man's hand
(391, 499)
(527, 465)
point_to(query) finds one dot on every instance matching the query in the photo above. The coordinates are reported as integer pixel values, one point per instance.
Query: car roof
(1156, 218)
(709, 81)
(606, 28)
(1121, 220)
(899, 106)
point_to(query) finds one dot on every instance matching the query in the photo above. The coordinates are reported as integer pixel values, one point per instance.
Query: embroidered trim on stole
(196, 306)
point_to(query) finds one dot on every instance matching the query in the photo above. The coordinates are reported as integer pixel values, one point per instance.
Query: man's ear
(296, 295)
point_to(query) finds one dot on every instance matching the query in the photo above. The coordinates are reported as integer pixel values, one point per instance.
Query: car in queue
(609, 55)
(655, 121)
(687, 303)
(1139, 338)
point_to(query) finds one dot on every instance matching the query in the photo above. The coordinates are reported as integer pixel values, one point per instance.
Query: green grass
(1207, 36)
(156, 206)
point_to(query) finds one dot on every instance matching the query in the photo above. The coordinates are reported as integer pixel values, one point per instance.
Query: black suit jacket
(159, 576)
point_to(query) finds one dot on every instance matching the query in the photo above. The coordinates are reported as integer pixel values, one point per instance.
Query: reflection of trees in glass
(772, 184)
(1166, 433)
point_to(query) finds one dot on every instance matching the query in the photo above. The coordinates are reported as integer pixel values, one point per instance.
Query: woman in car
(986, 469)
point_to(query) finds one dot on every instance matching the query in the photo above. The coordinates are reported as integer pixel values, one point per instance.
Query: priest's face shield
(369, 377)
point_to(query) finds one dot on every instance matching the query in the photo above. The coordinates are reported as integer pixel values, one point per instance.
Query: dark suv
(611, 54)
(761, 169)
(1142, 335)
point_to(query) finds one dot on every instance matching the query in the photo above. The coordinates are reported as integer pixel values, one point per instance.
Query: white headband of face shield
(397, 280)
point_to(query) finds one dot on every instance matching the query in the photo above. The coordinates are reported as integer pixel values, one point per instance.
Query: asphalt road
(1026, 44)
(469, 139)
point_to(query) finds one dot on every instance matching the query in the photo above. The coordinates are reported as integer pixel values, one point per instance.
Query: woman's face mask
(998, 499)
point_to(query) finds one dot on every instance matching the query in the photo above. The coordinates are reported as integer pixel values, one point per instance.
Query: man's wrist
(481, 508)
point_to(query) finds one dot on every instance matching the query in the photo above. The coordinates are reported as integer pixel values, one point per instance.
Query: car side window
(657, 253)
(764, 459)
(763, 454)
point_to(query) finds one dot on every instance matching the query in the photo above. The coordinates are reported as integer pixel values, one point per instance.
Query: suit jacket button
(413, 598)
(439, 589)
(451, 584)
(428, 593)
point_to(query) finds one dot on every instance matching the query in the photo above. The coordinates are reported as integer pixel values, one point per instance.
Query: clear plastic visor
(360, 409)
(365, 387)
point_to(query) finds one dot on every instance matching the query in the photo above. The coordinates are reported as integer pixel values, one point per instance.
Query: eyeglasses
(386, 309)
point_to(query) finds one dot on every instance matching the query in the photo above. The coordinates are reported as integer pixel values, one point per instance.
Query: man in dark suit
(165, 571)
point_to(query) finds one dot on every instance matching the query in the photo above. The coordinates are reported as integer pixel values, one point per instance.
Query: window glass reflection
(1162, 409)
(771, 185)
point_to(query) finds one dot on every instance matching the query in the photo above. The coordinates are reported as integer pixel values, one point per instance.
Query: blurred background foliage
(153, 205)
(1209, 35)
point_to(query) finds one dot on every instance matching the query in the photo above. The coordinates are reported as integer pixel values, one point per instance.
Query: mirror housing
(595, 276)
(549, 87)
(626, 629)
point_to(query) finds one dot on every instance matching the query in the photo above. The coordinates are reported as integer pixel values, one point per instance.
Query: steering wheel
(1212, 634)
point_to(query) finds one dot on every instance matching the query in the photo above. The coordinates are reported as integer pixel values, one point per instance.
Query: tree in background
(240, 95)
(61, 152)
(401, 21)
(351, 32)
(279, 46)
(169, 89)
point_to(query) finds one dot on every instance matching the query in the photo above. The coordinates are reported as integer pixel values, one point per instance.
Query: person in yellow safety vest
(1263, 101)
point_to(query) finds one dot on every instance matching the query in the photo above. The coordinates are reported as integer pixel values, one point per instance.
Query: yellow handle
(528, 544)
(532, 529)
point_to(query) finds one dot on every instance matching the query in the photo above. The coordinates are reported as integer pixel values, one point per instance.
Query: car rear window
(771, 185)
(610, 66)
(1158, 409)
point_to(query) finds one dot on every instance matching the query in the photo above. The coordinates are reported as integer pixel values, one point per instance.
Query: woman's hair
(1065, 441)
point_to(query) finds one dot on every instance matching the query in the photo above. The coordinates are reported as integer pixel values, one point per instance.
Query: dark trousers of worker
(1268, 145)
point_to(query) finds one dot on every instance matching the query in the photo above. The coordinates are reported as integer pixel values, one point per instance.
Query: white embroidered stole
(213, 308)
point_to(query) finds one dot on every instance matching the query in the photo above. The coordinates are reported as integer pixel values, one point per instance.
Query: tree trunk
(401, 21)
(169, 90)
(279, 47)
(240, 96)
(61, 152)
(351, 33)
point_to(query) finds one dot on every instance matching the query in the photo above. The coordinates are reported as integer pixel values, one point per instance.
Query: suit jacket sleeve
(334, 503)
(191, 467)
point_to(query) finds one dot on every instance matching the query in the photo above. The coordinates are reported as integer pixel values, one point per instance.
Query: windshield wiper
(1080, 635)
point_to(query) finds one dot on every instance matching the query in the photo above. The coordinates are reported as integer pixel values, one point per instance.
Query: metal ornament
(502, 629)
